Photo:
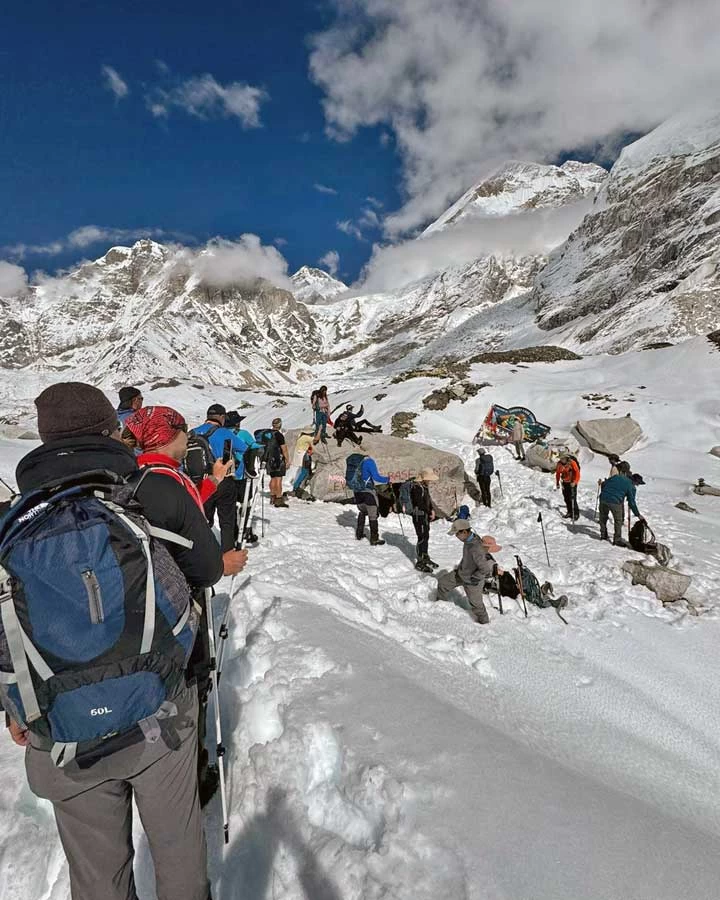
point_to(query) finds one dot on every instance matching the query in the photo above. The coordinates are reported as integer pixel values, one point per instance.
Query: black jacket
(165, 502)
(421, 500)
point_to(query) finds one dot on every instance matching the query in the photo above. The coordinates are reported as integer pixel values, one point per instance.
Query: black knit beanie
(72, 409)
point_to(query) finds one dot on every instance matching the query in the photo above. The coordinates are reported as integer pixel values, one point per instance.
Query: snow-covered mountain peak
(518, 186)
(315, 285)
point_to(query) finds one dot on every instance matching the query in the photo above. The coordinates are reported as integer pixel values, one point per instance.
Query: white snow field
(382, 746)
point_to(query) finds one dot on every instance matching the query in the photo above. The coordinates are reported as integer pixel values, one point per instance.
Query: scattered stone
(379, 397)
(525, 355)
(440, 398)
(401, 424)
(610, 435)
(715, 451)
(170, 383)
(714, 338)
(702, 488)
(199, 387)
(668, 585)
(279, 403)
(454, 370)
(545, 454)
(682, 505)
(658, 345)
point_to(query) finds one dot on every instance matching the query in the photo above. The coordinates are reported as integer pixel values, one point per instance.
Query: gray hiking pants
(519, 449)
(618, 514)
(93, 811)
(475, 604)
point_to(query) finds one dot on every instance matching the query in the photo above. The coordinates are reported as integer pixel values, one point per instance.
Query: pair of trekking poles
(519, 582)
(217, 653)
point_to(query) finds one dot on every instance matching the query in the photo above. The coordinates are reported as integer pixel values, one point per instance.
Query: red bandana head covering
(154, 426)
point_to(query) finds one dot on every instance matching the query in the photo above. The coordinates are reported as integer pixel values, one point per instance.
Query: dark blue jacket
(484, 465)
(618, 489)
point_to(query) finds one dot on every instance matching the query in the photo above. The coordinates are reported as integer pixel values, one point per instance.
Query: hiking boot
(251, 537)
(377, 542)
(375, 539)
(323, 439)
(280, 503)
(604, 537)
(619, 543)
(422, 566)
(430, 562)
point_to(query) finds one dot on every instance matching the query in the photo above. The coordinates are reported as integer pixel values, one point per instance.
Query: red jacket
(568, 473)
(171, 467)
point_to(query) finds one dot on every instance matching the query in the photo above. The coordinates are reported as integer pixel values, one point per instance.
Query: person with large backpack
(214, 440)
(484, 469)
(476, 567)
(567, 472)
(361, 477)
(246, 468)
(99, 561)
(277, 460)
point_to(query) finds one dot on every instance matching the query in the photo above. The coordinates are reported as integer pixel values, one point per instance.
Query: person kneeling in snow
(476, 567)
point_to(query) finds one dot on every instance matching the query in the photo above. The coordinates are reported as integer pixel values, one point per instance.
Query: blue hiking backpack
(353, 472)
(98, 622)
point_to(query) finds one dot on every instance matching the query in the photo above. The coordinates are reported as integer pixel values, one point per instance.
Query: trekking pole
(542, 526)
(219, 747)
(597, 504)
(262, 504)
(520, 584)
(499, 597)
(500, 484)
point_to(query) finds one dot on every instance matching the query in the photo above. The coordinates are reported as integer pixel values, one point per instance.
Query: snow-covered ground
(382, 745)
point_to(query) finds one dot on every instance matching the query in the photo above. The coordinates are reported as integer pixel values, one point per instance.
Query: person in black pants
(224, 502)
(423, 512)
(484, 468)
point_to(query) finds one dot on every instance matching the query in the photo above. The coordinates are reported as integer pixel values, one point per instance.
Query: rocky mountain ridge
(642, 267)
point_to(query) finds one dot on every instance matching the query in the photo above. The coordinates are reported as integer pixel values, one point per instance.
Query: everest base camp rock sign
(398, 458)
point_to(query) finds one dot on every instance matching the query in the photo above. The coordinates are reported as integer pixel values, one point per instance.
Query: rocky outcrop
(401, 424)
(610, 435)
(546, 454)
(397, 458)
(668, 585)
(644, 265)
(462, 391)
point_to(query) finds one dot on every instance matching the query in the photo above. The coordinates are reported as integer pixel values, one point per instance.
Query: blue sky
(281, 119)
(73, 154)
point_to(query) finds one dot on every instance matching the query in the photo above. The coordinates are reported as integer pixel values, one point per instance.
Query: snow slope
(384, 746)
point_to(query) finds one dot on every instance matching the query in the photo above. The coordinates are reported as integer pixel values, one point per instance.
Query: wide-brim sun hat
(428, 475)
(490, 544)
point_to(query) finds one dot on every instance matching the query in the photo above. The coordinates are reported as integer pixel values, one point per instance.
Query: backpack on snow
(271, 454)
(642, 539)
(199, 457)
(98, 621)
(531, 587)
(353, 472)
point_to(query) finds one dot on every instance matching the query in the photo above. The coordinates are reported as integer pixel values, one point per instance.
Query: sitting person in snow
(613, 494)
(476, 567)
(348, 424)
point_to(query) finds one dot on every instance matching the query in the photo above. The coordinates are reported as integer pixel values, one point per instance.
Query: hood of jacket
(73, 456)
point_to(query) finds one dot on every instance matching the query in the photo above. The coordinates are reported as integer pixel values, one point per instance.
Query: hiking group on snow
(108, 654)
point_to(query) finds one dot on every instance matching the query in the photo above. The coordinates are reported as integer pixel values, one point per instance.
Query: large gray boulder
(668, 585)
(715, 451)
(609, 435)
(399, 458)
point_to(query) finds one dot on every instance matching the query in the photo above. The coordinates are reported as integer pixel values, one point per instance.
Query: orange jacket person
(567, 471)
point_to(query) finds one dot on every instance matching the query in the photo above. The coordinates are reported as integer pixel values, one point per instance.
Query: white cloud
(529, 233)
(330, 261)
(466, 84)
(373, 201)
(324, 189)
(204, 97)
(114, 83)
(13, 279)
(350, 229)
(85, 236)
(222, 263)
(280, 242)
